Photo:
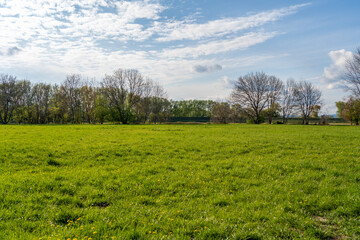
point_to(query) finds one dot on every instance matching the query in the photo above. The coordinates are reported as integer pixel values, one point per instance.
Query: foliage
(123, 97)
(350, 110)
(192, 108)
(221, 113)
(340, 108)
(273, 111)
(315, 111)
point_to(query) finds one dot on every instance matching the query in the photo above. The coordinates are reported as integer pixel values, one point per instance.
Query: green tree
(351, 111)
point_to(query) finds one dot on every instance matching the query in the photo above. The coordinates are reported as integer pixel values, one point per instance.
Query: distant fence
(313, 120)
(291, 120)
(189, 119)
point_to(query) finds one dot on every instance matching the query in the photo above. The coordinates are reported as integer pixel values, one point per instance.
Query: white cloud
(58, 37)
(337, 67)
(139, 9)
(332, 74)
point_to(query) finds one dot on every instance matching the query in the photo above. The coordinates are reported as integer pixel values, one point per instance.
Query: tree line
(126, 96)
(263, 96)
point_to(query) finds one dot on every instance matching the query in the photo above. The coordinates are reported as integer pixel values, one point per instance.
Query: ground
(233, 181)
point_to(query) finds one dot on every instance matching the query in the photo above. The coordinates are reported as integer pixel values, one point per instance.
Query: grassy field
(179, 182)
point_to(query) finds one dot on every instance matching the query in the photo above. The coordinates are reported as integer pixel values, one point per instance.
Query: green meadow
(179, 182)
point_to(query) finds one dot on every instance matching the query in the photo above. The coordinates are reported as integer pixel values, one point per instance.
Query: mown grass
(179, 182)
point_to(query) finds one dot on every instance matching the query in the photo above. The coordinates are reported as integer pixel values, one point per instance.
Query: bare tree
(159, 104)
(143, 107)
(136, 86)
(89, 94)
(123, 89)
(114, 88)
(71, 90)
(352, 73)
(287, 100)
(41, 99)
(306, 98)
(253, 92)
(273, 95)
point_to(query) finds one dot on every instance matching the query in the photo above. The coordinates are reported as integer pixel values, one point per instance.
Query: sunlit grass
(179, 182)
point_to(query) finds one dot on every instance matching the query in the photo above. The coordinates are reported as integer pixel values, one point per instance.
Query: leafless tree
(159, 103)
(123, 89)
(273, 95)
(41, 93)
(136, 86)
(71, 90)
(253, 92)
(114, 89)
(287, 100)
(89, 93)
(352, 73)
(307, 97)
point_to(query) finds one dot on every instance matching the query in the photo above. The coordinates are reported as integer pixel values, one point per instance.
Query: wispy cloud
(219, 46)
(182, 30)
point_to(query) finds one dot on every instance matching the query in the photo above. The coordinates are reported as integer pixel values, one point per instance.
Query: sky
(196, 49)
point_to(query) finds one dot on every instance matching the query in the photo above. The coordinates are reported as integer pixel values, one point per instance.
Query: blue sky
(195, 49)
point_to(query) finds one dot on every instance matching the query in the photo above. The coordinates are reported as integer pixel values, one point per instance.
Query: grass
(179, 182)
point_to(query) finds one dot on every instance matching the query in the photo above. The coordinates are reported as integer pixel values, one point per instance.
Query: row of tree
(262, 96)
(127, 97)
(124, 96)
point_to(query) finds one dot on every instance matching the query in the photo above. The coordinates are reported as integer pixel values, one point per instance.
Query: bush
(324, 120)
(259, 120)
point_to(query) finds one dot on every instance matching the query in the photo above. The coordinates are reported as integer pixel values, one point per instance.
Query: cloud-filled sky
(194, 48)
